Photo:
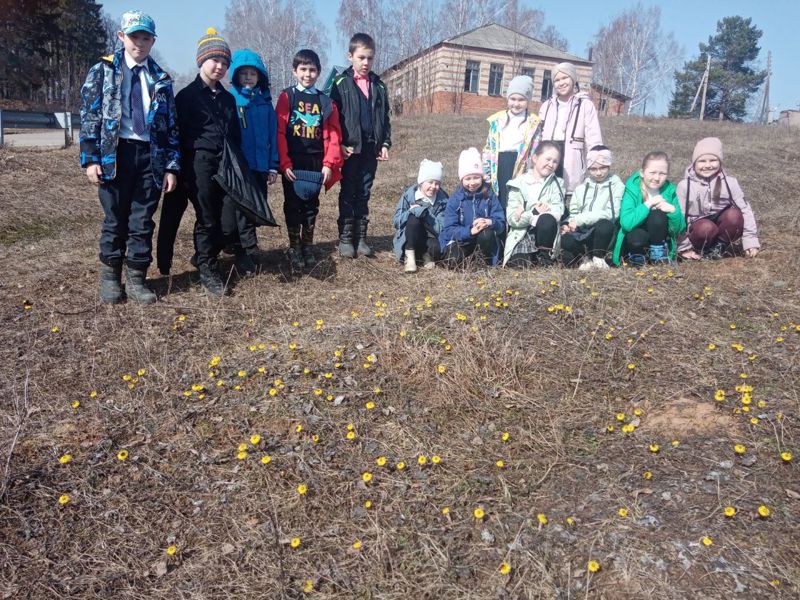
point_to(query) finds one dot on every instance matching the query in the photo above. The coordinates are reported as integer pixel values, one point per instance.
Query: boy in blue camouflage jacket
(130, 150)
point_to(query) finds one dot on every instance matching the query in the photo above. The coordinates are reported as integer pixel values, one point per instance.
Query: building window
(603, 106)
(495, 79)
(414, 78)
(529, 71)
(471, 75)
(547, 85)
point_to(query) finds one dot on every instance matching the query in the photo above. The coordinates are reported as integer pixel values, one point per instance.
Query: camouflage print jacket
(101, 113)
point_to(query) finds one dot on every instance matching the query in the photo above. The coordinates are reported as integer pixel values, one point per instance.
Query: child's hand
(327, 173)
(93, 172)
(289, 174)
(272, 178)
(573, 225)
(347, 151)
(384, 154)
(542, 208)
(653, 201)
(751, 252)
(518, 213)
(665, 206)
(170, 182)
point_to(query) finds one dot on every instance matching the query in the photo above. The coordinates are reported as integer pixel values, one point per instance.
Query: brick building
(470, 73)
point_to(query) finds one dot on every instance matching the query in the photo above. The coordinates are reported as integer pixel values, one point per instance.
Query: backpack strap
(688, 199)
(577, 114)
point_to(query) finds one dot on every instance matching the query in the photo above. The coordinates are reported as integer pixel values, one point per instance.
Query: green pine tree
(732, 78)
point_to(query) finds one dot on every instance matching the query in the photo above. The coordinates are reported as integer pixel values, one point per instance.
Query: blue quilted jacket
(101, 113)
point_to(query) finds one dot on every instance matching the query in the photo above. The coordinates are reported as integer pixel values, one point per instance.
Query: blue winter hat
(135, 20)
(308, 184)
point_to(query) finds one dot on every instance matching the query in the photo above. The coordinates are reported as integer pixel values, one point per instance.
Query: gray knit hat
(522, 85)
(212, 45)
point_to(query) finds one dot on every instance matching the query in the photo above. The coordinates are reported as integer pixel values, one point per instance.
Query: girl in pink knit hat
(717, 213)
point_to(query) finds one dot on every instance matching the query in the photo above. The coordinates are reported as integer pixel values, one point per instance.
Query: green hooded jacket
(633, 212)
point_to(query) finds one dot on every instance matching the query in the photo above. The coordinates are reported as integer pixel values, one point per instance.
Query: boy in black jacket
(206, 111)
(363, 105)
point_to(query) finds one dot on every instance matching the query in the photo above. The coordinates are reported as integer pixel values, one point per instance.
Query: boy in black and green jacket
(363, 105)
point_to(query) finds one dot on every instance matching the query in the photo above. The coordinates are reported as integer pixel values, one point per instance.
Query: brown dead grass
(550, 379)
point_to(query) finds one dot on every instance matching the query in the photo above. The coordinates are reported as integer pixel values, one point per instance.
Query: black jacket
(198, 130)
(344, 94)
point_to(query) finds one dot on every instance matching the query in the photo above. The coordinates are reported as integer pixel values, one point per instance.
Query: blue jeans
(129, 202)
(358, 174)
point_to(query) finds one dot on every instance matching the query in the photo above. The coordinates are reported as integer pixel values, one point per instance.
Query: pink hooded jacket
(701, 203)
(583, 133)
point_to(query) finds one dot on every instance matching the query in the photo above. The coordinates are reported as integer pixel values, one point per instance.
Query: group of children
(541, 190)
(137, 139)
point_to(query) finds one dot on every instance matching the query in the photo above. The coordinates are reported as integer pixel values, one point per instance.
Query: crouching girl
(473, 218)
(419, 218)
(535, 206)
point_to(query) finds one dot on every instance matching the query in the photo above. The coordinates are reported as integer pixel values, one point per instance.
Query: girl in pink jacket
(569, 118)
(716, 211)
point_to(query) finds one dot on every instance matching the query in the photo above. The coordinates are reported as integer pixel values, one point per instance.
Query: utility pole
(764, 115)
(704, 88)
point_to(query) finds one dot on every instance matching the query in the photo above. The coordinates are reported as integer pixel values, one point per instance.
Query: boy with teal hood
(258, 124)
(257, 119)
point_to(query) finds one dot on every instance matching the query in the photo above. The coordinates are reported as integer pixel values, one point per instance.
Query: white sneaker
(586, 264)
(411, 262)
(599, 263)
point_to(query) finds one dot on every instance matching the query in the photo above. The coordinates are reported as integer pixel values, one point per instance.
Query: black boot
(211, 281)
(245, 265)
(363, 248)
(295, 253)
(110, 286)
(136, 288)
(346, 233)
(306, 241)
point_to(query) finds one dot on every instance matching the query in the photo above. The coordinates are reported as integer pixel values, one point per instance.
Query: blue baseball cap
(135, 20)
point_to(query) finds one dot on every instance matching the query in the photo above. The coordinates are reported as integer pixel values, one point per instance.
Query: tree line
(46, 48)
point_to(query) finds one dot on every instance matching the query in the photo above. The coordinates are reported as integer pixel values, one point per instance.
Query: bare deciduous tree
(275, 29)
(634, 56)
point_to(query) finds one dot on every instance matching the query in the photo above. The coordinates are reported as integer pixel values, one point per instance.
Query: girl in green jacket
(650, 217)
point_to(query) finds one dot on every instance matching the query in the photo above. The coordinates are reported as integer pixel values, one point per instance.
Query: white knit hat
(430, 171)
(469, 163)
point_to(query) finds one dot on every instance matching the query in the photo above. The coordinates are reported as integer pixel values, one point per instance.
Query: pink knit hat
(599, 155)
(469, 163)
(709, 145)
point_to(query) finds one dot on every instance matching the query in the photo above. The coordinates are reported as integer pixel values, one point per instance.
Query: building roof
(604, 89)
(497, 37)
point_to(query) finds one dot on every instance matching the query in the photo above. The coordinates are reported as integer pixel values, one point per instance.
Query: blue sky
(181, 23)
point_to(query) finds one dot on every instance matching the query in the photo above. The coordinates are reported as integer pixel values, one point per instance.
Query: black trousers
(505, 171)
(456, 253)
(296, 210)
(129, 202)
(419, 239)
(358, 175)
(232, 227)
(652, 232)
(593, 241)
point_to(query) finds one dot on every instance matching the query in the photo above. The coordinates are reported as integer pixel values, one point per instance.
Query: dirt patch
(687, 417)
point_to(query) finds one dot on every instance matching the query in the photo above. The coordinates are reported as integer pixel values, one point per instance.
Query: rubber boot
(294, 253)
(363, 248)
(110, 286)
(411, 261)
(306, 242)
(346, 233)
(136, 288)
(211, 281)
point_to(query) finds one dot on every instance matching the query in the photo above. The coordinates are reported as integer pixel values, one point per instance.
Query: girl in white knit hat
(419, 218)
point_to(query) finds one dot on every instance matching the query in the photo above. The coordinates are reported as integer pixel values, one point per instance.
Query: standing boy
(309, 138)
(363, 105)
(129, 148)
(207, 113)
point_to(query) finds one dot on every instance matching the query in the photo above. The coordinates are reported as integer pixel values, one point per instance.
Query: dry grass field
(335, 435)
